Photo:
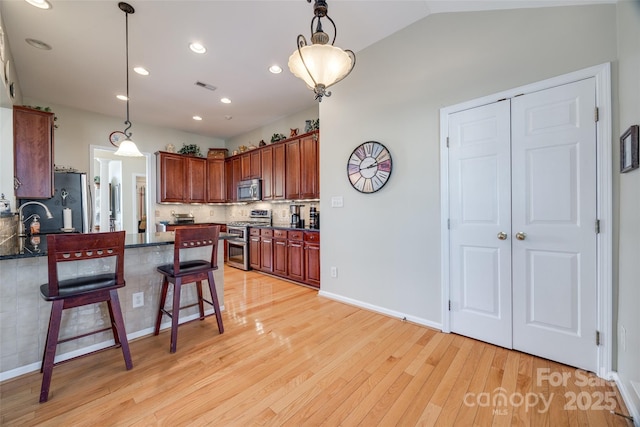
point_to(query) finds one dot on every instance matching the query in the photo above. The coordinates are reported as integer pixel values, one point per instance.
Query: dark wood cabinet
(302, 171)
(216, 186)
(280, 253)
(196, 189)
(254, 248)
(266, 250)
(232, 168)
(295, 252)
(312, 258)
(172, 177)
(33, 153)
(180, 178)
(250, 165)
(273, 172)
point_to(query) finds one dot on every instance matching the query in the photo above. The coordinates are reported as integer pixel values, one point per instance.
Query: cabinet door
(216, 188)
(245, 166)
(232, 178)
(33, 153)
(309, 176)
(172, 172)
(254, 252)
(267, 173)
(196, 179)
(266, 254)
(278, 173)
(292, 185)
(256, 170)
(280, 256)
(296, 260)
(312, 264)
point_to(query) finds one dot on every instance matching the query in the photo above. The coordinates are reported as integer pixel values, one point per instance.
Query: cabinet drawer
(311, 236)
(266, 232)
(280, 233)
(295, 235)
(254, 232)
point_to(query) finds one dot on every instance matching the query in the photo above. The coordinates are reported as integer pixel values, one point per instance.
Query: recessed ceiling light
(198, 118)
(228, 117)
(38, 44)
(121, 97)
(141, 70)
(42, 4)
(197, 48)
(225, 101)
(275, 69)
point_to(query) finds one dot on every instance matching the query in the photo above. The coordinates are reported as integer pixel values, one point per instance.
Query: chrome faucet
(21, 219)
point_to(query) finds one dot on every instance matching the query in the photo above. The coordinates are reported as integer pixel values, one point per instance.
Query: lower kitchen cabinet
(254, 248)
(295, 252)
(312, 258)
(291, 254)
(266, 250)
(280, 257)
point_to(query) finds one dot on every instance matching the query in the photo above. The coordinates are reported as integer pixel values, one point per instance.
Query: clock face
(369, 167)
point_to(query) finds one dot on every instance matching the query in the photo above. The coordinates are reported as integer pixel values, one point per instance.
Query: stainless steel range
(238, 246)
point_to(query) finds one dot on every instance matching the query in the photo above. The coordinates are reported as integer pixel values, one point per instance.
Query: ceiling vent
(206, 85)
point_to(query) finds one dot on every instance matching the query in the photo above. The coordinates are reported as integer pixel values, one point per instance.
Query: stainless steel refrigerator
(71, 191)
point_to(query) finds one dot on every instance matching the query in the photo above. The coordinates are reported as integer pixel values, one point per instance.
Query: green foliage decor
(191, 150)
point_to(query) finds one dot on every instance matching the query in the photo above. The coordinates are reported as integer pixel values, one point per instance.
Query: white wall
(386, 245)
(628, 292)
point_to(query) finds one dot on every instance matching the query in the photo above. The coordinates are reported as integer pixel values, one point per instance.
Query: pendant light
(127, 147)
(320, 65)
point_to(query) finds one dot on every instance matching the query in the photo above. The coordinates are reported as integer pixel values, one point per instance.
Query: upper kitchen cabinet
(216, 186)
(302, 168)
(250, 165)
(232, 176)
(273, 172)
(181, 179)
(33, 153)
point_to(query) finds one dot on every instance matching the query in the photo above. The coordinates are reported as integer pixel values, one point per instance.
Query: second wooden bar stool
(182, 272)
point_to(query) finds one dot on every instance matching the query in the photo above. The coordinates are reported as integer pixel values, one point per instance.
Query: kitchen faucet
(21, 219)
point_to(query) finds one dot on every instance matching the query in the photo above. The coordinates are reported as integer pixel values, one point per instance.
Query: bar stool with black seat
(80, 290)
(183, 272)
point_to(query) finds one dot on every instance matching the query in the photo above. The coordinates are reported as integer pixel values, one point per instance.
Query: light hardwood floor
(290, 357)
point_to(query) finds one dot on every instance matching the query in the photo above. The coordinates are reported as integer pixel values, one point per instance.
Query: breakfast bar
(24, 315)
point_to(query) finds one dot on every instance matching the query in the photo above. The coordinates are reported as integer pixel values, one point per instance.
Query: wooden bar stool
(183, 272)
(83, 290)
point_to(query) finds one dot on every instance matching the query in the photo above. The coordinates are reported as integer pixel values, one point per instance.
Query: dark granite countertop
(36, 246)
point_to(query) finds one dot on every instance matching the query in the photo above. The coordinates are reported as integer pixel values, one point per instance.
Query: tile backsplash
(8, 235)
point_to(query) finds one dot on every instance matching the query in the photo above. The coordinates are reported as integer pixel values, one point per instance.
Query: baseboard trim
(381, 310)
(628, 398)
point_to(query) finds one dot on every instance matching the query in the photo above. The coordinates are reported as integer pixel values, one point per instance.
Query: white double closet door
(522, 192)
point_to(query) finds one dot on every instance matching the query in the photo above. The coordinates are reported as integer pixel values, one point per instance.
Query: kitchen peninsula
(24, 315)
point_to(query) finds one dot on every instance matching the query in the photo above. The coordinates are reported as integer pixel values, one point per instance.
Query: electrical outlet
(138, 299)
(334, 271)
(211, 212)
(157, 214)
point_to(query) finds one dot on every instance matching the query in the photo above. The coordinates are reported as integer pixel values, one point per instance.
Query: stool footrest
(84, 335)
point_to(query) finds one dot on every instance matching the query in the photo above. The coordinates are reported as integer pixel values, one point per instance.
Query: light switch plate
(337, 201)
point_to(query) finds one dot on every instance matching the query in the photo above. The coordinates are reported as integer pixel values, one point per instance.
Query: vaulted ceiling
(85, 69)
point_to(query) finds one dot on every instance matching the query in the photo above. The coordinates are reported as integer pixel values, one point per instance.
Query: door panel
(480, 208)
(554, 204)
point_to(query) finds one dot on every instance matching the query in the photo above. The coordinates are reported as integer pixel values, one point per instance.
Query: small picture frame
(629, 150)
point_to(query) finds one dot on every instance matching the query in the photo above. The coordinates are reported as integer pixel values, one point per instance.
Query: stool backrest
(79, 247)
(192, 236)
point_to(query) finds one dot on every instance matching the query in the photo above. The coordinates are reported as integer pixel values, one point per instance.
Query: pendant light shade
(320, 65)
(127, 147)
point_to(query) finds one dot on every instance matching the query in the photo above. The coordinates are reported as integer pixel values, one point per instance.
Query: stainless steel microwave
(250, 190)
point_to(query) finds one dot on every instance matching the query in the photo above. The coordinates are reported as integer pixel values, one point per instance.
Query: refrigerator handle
(90, 208)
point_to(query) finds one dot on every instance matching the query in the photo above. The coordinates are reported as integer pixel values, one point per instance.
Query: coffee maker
(296, 217)
(314, 218)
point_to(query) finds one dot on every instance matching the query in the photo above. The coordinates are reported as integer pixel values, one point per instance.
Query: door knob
(521, 236)
(502, 235)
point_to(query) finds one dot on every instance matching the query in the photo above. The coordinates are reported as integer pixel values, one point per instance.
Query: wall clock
(369, 167)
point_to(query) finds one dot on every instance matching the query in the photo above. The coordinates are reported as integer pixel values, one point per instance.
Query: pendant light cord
(127, 122)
